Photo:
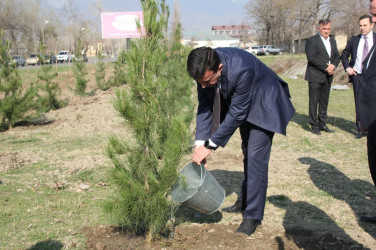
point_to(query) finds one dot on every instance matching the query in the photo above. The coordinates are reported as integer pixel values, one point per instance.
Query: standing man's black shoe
(248, 226)
(360, 134)
(316, 131)
(326, 129)
(236, 208)
(368, 219)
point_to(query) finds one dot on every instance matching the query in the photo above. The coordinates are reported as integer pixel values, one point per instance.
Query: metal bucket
(198, 189)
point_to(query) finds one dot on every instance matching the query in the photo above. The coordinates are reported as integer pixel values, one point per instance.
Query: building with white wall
(209, 40)
(235, 31)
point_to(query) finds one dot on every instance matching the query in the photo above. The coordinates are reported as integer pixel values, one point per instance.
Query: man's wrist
(210, 145)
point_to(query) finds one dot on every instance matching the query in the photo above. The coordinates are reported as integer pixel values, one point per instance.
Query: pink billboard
(121, 24)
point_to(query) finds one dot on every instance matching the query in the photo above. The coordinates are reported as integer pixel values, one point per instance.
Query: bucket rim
(202, 168)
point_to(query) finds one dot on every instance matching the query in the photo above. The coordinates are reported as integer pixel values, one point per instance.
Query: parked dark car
(83, 56)
(53, 58)
(49, 59)
(269, 49)
(19, 60)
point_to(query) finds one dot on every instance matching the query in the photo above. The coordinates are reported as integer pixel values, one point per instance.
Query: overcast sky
(195, 15)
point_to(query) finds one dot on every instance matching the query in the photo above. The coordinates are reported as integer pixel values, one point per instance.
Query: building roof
(207, 35)
(231, 27)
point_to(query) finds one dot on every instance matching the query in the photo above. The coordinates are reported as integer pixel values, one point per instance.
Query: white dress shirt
(201, 142)
(328, 47)
(359, 53)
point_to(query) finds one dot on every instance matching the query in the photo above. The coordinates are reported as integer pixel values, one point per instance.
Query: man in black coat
(323, 58)
(367, 115)
(372, 10)
(357, 48)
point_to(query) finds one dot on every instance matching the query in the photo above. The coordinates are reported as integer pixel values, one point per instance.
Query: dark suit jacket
(367, 94)
(253, 92)
(351, 50)
(318, 58)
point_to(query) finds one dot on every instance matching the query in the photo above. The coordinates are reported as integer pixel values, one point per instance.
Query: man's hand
(330, 69)
(199, 155)
(351, 71)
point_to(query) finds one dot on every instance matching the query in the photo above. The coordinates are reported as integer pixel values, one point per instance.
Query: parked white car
(33, 59)
(252, 49)
(64, 56)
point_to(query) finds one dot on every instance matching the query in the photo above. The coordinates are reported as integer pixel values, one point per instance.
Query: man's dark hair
(365, 17)
(324, 22)
(200, 60)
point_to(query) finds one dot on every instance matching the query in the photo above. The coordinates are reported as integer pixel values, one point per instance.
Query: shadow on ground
(39, 121)
(343, 124)
(47, 245)
(358, 194)
(229, 180)
(308, 233)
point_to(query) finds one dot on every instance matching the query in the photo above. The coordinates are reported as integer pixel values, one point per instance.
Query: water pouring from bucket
(198, 189)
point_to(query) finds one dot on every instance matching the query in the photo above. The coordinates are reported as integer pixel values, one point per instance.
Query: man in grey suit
(258, 104)
(357, 48)
(323, 58)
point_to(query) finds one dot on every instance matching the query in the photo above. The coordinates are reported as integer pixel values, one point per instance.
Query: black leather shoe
(316, 132)
(236, 208)
(360, 134)
(248, 226)
(368, 218)
(326, 129)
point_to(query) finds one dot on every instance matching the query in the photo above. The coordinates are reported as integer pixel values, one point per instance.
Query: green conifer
(49, 89)
(120, 70)
(79, 70)
(159, 117)
(16, 102)
(100, 73)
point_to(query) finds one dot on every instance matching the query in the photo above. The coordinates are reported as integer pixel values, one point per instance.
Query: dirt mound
(11, 160)
(295, 68)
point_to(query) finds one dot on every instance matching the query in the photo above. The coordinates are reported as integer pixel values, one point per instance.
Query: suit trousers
(357, 81)
(318, 95)
(256, 147)
(371, 150)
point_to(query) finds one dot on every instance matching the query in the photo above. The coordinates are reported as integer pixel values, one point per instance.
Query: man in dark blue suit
(357, 47)
(323, 58)
(258, 103)
(367, 115)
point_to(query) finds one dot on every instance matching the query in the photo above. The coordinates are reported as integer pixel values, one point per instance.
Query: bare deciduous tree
(281, 22)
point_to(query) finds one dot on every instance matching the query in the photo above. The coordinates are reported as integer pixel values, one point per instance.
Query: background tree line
(27, 24)
(281, 22)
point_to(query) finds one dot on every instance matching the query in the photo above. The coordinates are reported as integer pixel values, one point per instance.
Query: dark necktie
(216, 117)
(365, 50)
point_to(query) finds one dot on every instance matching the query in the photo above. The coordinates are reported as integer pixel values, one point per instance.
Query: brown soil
(218, 236)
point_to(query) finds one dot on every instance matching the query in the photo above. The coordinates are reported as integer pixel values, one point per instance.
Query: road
(91, 60)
